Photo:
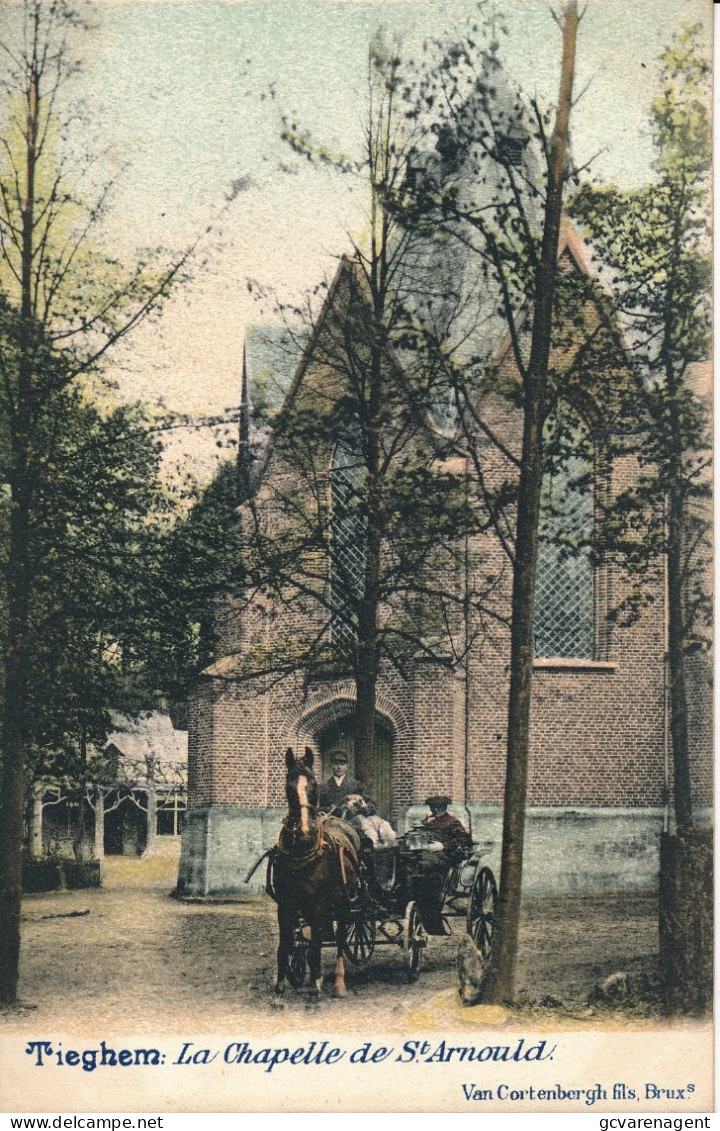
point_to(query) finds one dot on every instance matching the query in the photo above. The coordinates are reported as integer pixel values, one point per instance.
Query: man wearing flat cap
(335, 789)
(451, 832)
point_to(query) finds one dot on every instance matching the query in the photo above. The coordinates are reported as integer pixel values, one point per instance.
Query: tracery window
(349, 534)
(564, 589)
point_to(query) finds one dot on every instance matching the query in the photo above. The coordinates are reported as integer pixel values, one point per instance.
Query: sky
(185, 98)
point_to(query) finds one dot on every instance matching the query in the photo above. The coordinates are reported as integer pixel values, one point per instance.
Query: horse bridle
(296, 861)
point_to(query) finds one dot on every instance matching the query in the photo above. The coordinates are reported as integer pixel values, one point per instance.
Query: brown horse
(315, 876)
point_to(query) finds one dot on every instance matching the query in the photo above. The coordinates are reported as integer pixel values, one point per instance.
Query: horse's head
(301, 787)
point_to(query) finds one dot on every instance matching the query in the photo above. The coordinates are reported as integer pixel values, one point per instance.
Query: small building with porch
(136, 804)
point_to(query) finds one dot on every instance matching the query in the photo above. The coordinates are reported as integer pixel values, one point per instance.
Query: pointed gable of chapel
(329, 380)
(589, 365)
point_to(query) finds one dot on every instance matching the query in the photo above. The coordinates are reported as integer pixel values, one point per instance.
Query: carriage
(407, 891)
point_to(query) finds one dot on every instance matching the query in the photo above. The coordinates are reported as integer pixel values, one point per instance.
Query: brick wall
(598, 726)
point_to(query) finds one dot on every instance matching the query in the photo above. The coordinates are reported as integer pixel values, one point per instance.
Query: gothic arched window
(564, 589)
(349, 533)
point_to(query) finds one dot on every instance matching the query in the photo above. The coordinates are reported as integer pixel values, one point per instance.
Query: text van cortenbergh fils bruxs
(318, 1053)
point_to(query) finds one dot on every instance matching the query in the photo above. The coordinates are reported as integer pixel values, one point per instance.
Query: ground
(128, 958)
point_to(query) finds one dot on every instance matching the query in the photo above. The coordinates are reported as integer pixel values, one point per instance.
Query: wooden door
(342, 735)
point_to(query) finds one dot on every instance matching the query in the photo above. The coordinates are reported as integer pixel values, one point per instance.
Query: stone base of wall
(566, 850)
(570, 850)
(220, 845)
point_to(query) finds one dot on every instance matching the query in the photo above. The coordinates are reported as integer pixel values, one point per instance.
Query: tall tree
(96, 505)
(495, 188)
(72, 303)
(502, 985)
(655, 243)
(367, 525)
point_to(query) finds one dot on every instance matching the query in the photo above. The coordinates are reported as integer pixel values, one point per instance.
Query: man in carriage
(446, 828)
(315, 875)
(335, 790)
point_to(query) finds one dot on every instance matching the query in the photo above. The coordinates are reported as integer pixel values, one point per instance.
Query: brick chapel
(600, 765)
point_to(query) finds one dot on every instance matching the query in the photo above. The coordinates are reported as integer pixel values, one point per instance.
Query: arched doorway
(342, 734)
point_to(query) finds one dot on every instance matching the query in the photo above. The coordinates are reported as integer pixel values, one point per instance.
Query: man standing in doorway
(335, 789)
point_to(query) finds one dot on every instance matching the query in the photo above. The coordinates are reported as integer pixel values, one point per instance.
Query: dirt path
(136, 961)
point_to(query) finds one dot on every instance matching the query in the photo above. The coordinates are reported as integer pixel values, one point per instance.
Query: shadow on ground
(129, 958)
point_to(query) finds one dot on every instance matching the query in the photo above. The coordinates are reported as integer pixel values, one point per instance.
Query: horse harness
(297, 863)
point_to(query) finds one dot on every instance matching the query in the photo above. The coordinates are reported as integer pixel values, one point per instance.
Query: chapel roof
(272, 353)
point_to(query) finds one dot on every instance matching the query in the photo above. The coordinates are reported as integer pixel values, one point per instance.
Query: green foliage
(81, 298)
(74, 507)
(361, 528)
(193, 563)
(654, 243)
(96, 501)
(81, 481)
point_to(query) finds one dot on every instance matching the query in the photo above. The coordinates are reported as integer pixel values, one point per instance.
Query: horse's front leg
(340, 940)
(285, 946)
(315, 959)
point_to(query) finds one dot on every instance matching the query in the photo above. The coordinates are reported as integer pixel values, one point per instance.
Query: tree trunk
(365, 722)
(501, 982)
(367, 656)
(17, 661)
(36, 821)
(151, 830)
(12, 796)
(99, 823)
(81, 844)
(674, 564)
(367, 665)
(686, 921)
(676, 669)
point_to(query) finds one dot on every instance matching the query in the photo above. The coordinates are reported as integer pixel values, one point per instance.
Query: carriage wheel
(414, 940)
(481, 911)
(297, 964)
(360, 941)
(448, 896)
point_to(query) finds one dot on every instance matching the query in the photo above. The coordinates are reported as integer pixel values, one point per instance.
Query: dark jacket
(331, 794)
(451, 833)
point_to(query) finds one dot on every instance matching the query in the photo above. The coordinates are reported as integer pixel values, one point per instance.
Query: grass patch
(134, 871)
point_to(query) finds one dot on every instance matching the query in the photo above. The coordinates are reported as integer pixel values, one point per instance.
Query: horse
(315, 876)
